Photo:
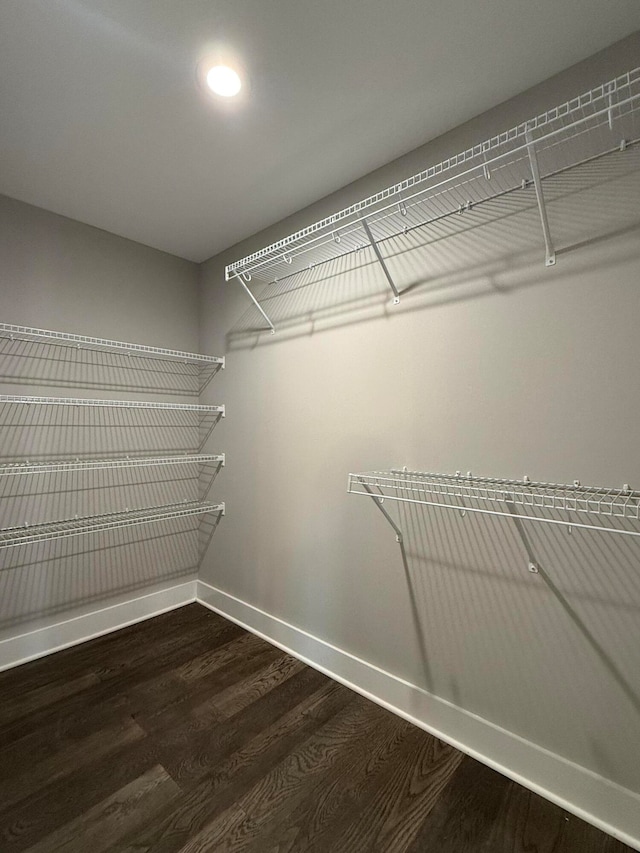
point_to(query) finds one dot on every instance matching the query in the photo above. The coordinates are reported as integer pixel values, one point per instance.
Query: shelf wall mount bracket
(374, 246)
(550, 252)
(255, 301)
(377, 500)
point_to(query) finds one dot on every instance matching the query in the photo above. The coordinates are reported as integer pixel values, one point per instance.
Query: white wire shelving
(570, 506)
(50, 531)
(120, 404)
(27, 333)
(13, 469)
(598, 122)
(209, 464)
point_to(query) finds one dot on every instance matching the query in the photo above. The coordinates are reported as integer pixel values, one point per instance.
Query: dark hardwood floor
(185, 733)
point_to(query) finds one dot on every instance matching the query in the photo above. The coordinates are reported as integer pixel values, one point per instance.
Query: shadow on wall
(473, 571)
(48, 578)
(491, 249)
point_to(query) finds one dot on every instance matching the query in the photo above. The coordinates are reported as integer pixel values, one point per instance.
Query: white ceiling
(101, 118)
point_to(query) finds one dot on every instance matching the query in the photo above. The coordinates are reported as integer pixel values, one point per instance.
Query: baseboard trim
(609, 806)
(78, 629)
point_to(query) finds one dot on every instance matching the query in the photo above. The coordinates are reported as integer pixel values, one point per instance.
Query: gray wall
(59, 274)
(492, 363)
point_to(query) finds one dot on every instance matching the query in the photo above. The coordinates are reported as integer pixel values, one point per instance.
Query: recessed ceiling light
(223, 81)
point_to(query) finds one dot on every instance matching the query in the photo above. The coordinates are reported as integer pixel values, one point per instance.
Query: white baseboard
(77, 629)
(610, 807)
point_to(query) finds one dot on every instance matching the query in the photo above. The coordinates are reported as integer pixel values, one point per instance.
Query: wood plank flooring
(185, 733)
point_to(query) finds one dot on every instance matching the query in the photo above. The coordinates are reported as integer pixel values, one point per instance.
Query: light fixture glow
(223, 81)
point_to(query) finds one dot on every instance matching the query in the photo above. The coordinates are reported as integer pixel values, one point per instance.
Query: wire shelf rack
(598, 122)
(120, 404)
(14, 469)
(27, 333)
(580, 506)
(14, 536)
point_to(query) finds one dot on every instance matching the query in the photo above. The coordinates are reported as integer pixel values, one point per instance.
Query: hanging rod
(598, 122)
(26, 467)
(26, 333)
(14, 536)
(120, 404)
(466, 493)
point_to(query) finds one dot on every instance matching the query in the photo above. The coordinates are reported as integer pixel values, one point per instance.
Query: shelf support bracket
(255, 302)
(550, 251)
(377, 499)
(374, 246)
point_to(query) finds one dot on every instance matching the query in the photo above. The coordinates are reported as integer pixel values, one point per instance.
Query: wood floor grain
(185, 733)
(96, 829)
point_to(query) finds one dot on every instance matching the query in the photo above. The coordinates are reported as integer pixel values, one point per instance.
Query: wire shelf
(12, 537)
(601, 121)
(13, 469)
(521, 498)
(26, 333)
(120, 404)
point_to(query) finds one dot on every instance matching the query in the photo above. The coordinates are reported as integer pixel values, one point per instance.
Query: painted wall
(491, 363)
(59, 274)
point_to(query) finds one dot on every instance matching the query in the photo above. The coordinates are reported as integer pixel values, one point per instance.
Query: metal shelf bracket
(255, 301)
(550, 252)
(378, 501)
(374, 246)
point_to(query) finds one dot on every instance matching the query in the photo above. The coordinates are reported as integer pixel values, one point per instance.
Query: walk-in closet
(319, 488)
